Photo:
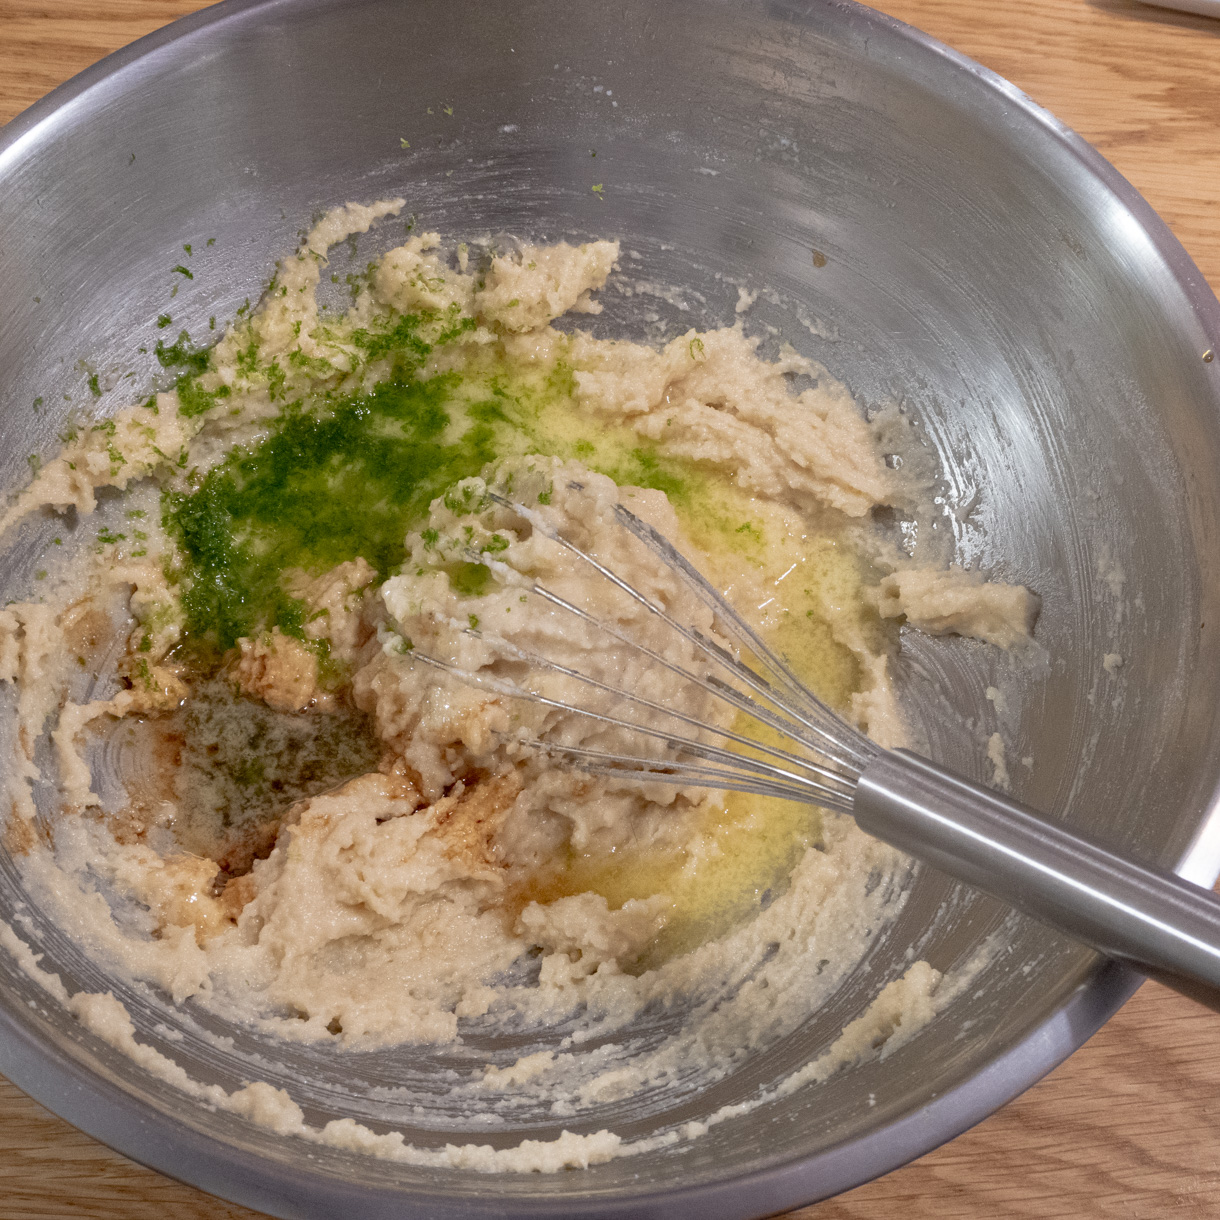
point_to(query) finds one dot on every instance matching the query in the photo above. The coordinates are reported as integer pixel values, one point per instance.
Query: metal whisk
(1145, 917)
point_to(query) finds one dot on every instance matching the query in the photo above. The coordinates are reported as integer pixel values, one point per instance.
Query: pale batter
(444, 874)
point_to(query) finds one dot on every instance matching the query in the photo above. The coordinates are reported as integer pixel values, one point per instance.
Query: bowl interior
(973, 263)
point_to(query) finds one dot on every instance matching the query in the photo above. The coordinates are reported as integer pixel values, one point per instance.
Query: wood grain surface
(1129, 1127)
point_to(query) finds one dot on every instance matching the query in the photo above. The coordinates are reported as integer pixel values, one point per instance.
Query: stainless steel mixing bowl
(973, 260)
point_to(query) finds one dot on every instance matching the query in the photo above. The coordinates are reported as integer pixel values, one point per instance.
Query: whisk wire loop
(826, 756)
(833, 737)
(752, 743)
(708, 683)
(781, 720)
(600, 762)
(800, 787)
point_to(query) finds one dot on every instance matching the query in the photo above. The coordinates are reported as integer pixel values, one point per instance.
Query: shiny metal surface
(978, 263)
(1144, 917)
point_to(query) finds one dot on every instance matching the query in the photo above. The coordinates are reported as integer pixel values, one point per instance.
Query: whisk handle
(1152, 920)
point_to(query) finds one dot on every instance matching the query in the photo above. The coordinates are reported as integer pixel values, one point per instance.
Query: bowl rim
(97, 1105)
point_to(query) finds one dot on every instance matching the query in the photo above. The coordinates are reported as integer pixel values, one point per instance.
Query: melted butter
(744, 847)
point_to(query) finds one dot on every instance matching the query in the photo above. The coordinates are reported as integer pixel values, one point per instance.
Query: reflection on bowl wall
(928, 234)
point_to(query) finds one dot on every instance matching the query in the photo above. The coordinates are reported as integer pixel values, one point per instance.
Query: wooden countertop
(1129, 1127)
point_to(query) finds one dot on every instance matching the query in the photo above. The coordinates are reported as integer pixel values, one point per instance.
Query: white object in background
(1205, 8)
